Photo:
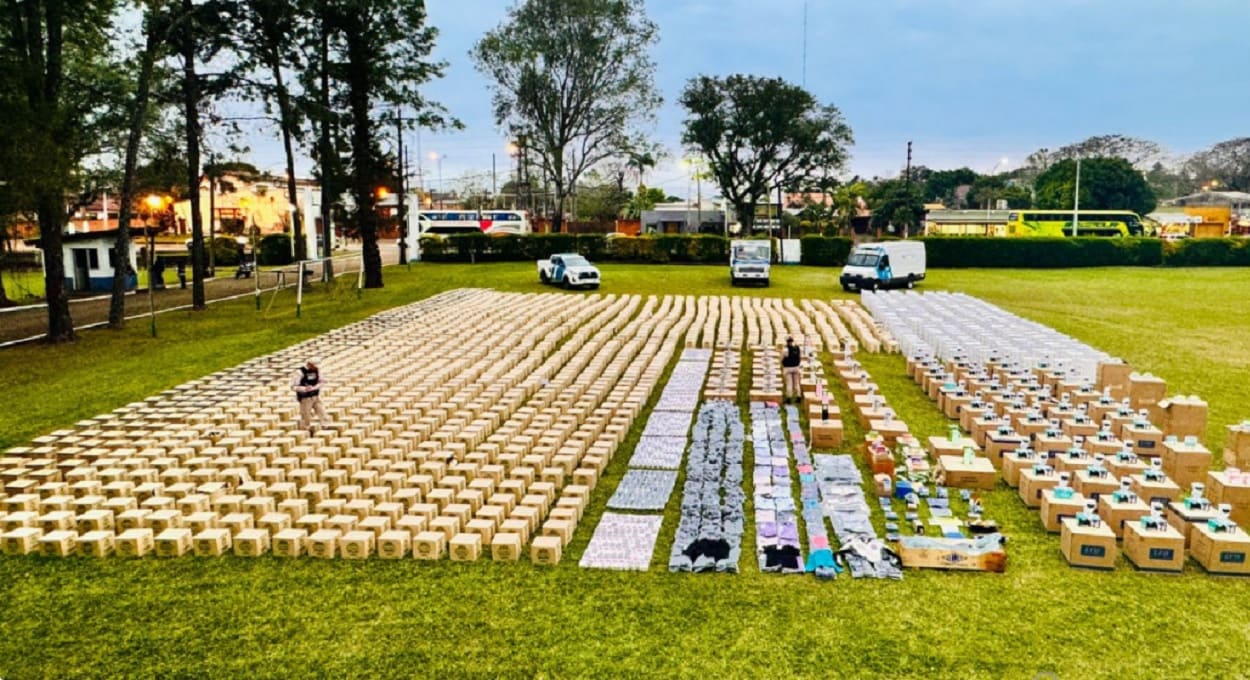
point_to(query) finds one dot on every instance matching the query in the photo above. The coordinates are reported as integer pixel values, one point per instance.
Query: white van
(884, 265)
(750, 261)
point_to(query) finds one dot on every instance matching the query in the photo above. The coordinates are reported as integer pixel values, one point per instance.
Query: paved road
(31, 322)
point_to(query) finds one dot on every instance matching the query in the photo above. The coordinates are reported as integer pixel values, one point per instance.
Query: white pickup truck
(569, 270)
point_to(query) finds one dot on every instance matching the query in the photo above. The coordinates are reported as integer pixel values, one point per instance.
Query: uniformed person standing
(307, 384)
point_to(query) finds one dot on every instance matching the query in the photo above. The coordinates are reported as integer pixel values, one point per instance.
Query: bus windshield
(863, 259)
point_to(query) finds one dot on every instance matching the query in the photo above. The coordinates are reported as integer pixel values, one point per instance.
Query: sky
(969, 82)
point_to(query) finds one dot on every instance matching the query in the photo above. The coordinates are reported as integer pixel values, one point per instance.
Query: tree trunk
(4, 250)
(746, 217)
(286, 118)
(51, 221)
(327, 168)
(363, 161)
(122, 246)
(191, 100)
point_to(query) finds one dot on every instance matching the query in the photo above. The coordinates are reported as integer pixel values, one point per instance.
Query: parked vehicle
(884, 265)
(750, 261)
(569, 270)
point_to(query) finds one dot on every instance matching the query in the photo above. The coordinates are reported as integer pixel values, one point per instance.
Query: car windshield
(575, 261)
(751, 253)
(863, 259)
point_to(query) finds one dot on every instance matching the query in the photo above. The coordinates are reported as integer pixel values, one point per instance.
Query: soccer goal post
(324, 269)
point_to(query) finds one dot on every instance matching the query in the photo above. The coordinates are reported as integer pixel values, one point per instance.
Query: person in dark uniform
(308, 384)
(790, 371)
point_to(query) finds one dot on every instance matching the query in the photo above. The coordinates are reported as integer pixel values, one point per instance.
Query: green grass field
(268, 617)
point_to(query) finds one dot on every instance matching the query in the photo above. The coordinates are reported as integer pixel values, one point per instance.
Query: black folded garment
(781, 557)
(716, 549)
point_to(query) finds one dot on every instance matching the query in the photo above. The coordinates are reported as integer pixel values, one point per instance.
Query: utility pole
(907, 184)
(403, 189)
(212, 213)
(1076, 200)
(494, 183)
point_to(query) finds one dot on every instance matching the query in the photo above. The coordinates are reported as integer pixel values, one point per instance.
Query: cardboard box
(1092, 486)
(394, 544)
(1072, 461)
(96, 543)
(1013, 464)
(950, 553)
(1154, 549)
(998, 445)
(1164, 491)
(890, 431)
(1237, 445)
(505, 547)
(212, 542)
(1146, 390)
(289, 542)
(1116, 514)
(1125, 468)
(1147, 441)
(323, 544)
(1052, 445)
(1033, 484)
(1186, 463)
(134, 543)
(1116, 377)
(1183, 417)
(545, 550)
(1107, 447)
(357, 545)
(970, 414)
(1085, 546)
(1221, 552)
(562, 529)
(977, 474)
(251, 542)
(1223, 488)
(943, 446)
(465, 547)
(1185, 519)
(173, 543)
(825, 434)
(60, 543)
(1055, 510)
(429, 545)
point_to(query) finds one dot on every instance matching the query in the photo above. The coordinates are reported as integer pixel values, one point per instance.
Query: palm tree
(640, 162)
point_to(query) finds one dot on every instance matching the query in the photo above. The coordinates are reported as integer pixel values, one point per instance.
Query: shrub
(275, 249)
(226, 252)
(1208, 252)
(825, 251)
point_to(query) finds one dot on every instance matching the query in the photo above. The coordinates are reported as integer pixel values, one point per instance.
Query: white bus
(444, 222)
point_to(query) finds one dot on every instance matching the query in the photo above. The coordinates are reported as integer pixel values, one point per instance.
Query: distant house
(685, 217)
(90, 262)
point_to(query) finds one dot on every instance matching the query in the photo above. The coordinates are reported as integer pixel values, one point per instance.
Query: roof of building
(967, 216)
(1213, 198)
(97, 235)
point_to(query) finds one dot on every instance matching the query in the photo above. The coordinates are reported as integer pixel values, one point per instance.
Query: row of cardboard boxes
(429, 530)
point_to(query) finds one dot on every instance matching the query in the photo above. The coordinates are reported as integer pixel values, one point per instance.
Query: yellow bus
(1059, 223)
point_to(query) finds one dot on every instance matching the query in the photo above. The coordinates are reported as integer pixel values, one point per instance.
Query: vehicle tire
(733, 282)
(911, 282)
(594, 286)
(564, 283)
(846, 288)
(542, 276)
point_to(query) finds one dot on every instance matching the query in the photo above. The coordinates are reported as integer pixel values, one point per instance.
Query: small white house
(89, 261)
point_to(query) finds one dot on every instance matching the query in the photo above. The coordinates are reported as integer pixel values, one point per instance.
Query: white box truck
(891, 264)
(750, 261)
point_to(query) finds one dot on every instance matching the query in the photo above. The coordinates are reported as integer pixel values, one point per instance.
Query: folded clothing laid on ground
(776, 515)
(709, 534)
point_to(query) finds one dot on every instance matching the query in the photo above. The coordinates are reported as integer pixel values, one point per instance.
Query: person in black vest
(307, 384)
(790, 371)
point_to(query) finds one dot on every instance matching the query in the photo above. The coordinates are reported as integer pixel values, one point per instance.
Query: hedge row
(1042, 253)
(1208, 252)
(823, 251)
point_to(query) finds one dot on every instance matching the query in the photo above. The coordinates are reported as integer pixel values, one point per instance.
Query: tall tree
(570, 78)
(385, 50)
(1106, 184)
(264, 31)
(759, 134)
(1225, 165)
(155, 31)
(51, 52)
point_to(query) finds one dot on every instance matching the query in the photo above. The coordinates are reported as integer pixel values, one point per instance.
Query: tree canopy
(1106, 184)
(758, 134)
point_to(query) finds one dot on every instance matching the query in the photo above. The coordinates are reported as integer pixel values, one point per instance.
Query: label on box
(1231, 557)
(1163, 554)
(1093, 551)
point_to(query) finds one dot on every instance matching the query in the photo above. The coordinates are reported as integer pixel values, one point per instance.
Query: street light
(154, 203)
(696, 167)
(1002, 163)
(438, 157)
